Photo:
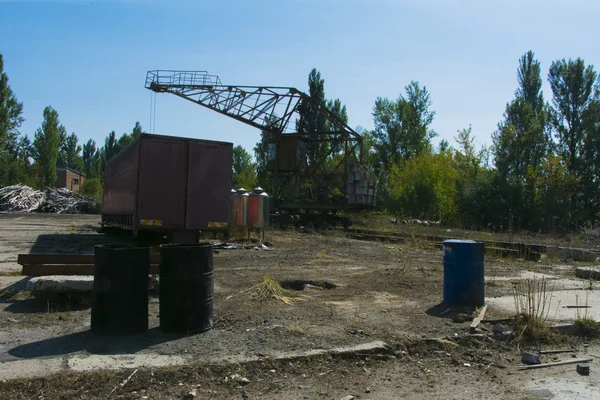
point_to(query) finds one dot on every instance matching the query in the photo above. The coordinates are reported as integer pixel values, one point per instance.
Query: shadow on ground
(447, 311)
(49, 303)
(94, 344)
(75, 243)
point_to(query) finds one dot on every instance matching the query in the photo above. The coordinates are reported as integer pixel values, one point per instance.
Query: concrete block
(61, 284)
(583, 369)
(570, 253)
(588, 273)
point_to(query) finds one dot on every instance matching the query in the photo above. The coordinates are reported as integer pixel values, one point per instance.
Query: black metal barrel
(120, 303)
(186, 288)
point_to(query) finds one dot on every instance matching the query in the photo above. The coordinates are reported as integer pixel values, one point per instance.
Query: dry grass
(323, 258)
(268, 289)
(533, 301)
(586, 325)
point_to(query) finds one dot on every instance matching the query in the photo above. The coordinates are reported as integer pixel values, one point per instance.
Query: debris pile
(20, 198)
(63, 201)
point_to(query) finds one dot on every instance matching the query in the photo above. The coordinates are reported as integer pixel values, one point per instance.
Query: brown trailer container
(169, 184)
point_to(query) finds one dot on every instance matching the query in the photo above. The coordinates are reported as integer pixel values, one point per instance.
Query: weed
(533, 299)
(586, 325)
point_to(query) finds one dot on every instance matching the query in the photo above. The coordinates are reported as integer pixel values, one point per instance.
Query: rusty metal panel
(287, 157)
(162, 186)
(120, 182)
(209, 184)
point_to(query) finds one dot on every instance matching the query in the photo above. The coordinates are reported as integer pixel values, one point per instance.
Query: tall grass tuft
(533, 300)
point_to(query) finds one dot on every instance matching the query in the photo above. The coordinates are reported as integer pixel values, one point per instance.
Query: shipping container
(169, 184)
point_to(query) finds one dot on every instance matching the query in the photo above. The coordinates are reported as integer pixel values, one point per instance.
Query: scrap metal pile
(21, 198)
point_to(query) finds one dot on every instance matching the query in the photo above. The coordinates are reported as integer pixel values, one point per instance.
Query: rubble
(63, 201)
(20, 198)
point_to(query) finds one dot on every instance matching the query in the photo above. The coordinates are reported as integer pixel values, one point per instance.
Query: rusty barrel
(464, 272)
(120, 300)
(186, 288)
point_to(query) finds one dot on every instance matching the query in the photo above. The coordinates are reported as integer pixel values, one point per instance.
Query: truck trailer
(169, 185)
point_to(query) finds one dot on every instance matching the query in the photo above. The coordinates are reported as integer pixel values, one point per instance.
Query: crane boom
(305, 156)
(268, 108)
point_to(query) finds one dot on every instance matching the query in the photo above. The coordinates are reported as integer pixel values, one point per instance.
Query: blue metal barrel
(463, 272)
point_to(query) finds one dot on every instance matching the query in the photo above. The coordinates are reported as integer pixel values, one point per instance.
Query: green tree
(45, 148)
(521, 144)
(576, 94)
(575, 89)
(110, 145)
(11, 111)
(521, 140)
(311, 121)
(244, 172)
(425, 186)
(339, 110)
(264, 154)
(402, 127)
(70, 153)
(92, 187)
(444, 146)
(137, 130)
(89, 156)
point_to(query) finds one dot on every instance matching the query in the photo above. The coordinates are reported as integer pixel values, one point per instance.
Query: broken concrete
(588, 273)
(570, 253)
(61, 284)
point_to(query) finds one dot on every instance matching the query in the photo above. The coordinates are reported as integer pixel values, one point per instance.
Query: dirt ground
(384, 292)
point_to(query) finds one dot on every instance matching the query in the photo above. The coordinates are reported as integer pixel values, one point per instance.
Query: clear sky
(88, 59)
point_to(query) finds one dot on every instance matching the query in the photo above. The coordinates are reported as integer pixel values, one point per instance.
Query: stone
(583, 369)
(240, 379)
(61, 284)
(588, 273)
(460, 318)
(530, 358)
(348, 398)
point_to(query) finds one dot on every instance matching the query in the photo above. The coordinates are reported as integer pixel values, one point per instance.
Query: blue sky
(88, 59)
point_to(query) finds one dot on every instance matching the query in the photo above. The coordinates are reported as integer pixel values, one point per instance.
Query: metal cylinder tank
(120, 302)
(266, 209)
(239, 207)
(256, 208)
(186, 288)
(464, 272)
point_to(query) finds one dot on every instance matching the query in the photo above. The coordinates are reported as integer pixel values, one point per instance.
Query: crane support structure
(310, 167)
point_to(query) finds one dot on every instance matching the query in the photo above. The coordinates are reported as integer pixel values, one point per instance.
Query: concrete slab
(570, 253)
(30, 368)
(61, 284)
(100, 362)
(556, 283)
(558, 304)
(588, 273)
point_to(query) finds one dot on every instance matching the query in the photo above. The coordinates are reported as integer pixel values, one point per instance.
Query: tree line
(541, 171)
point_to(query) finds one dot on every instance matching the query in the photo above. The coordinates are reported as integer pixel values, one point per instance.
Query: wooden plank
(479, 318)
(72, 269)
(574, 361)
(557, 351)
(55, 259)
(66, 259)
(497, 320)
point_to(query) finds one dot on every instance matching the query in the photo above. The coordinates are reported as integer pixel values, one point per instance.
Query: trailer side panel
(163, 181)
(209, 185)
